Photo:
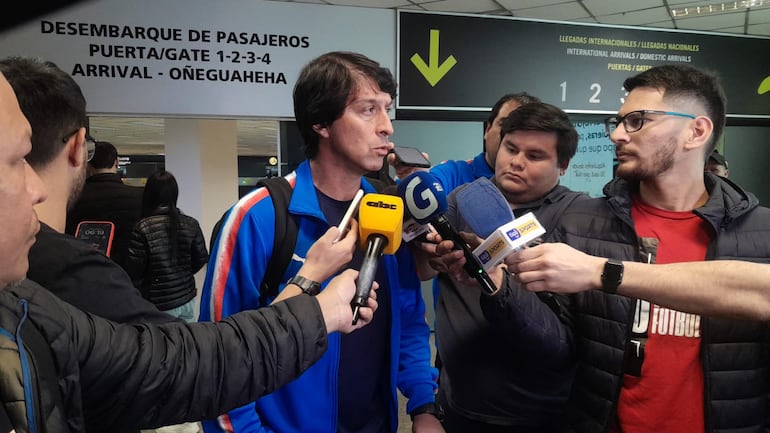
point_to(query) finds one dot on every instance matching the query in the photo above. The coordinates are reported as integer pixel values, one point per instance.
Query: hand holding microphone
(426, 201)
(325, 257)
(380, 218)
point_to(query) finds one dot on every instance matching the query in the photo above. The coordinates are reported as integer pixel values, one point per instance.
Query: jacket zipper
(25, 371)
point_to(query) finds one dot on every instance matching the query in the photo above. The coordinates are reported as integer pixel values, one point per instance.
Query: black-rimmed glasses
(90, 143)
(634, 120)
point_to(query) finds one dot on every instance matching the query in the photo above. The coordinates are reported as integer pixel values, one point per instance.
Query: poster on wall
(592, 166)
(230, 58)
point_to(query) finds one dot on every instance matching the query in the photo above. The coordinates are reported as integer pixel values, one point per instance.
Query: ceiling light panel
(464, 6)
(608, 7)
(715, 8)
(513, 5)
(712, 22)
(561, 12)
(636, 18)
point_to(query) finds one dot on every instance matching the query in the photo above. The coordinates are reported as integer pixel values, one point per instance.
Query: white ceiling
(258, 137)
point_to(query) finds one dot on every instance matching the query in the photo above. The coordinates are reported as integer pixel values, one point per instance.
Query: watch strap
(307, 286)
(434, 409)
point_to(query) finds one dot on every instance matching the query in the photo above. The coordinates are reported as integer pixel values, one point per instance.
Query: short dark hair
(105, 155)
(522, 98)
(539, 116)
(717, 158)
(324, 88)
(687, 82)
(51, 101)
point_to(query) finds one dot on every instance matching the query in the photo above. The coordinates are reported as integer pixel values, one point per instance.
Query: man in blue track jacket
(341, 104)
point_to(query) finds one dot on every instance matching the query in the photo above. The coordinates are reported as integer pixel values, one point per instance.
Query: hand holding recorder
(407, 160)
(335, 304)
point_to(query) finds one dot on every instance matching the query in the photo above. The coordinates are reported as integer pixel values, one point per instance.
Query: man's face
(716, 168)
(654, 149)
(527, 166)
(359, 139)
(20, 189)
(492, 133)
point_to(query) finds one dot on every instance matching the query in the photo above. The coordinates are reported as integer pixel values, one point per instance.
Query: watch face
(612, 275)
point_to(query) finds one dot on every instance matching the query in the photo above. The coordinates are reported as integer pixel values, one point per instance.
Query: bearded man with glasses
(642, 367)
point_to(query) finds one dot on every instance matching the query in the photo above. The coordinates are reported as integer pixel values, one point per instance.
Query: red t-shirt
(668, 397)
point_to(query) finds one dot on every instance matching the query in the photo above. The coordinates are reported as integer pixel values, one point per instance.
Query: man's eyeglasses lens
(90, 148)
(90, 143)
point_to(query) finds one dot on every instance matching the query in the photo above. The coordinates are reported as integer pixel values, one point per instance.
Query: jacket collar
(104, 177)
(304, 200)
(727, 201)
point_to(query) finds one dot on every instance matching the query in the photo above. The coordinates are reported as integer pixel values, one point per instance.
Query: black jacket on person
(79, 274)
(734, 354)
(90, 374)
(163, 279)
(510, 377)
(106, 198)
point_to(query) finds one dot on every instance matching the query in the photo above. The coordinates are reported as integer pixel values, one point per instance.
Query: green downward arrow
(764, 86)
(433, 72)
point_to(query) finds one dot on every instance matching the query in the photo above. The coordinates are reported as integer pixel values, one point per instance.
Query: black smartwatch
(309, 287)
(612, 275)
(434, 409)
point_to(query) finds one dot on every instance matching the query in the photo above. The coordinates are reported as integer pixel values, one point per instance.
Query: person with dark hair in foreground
(64, 370)
(72, 269)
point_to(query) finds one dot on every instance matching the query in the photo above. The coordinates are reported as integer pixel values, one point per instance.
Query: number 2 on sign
(594, 99)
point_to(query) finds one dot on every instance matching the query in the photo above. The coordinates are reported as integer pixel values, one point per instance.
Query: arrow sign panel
(577, 67)
(433, 72)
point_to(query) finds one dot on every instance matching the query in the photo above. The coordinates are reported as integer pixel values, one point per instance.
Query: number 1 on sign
(563, 91)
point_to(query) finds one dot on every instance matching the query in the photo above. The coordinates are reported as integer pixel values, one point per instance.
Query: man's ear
(321, 130)
(700, 132)
(76, 148)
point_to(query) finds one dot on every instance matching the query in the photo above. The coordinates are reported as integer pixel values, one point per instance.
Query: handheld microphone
(520, 233)
(411, 228)
(483, 207)
(425, 199)
(380, 218)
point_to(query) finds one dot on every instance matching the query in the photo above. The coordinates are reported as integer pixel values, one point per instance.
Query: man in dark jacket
(488, 383)
(71, 269)
(106, 198)
(643, 367)
(65, 370)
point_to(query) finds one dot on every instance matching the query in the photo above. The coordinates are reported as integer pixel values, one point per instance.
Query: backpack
(286, 231)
